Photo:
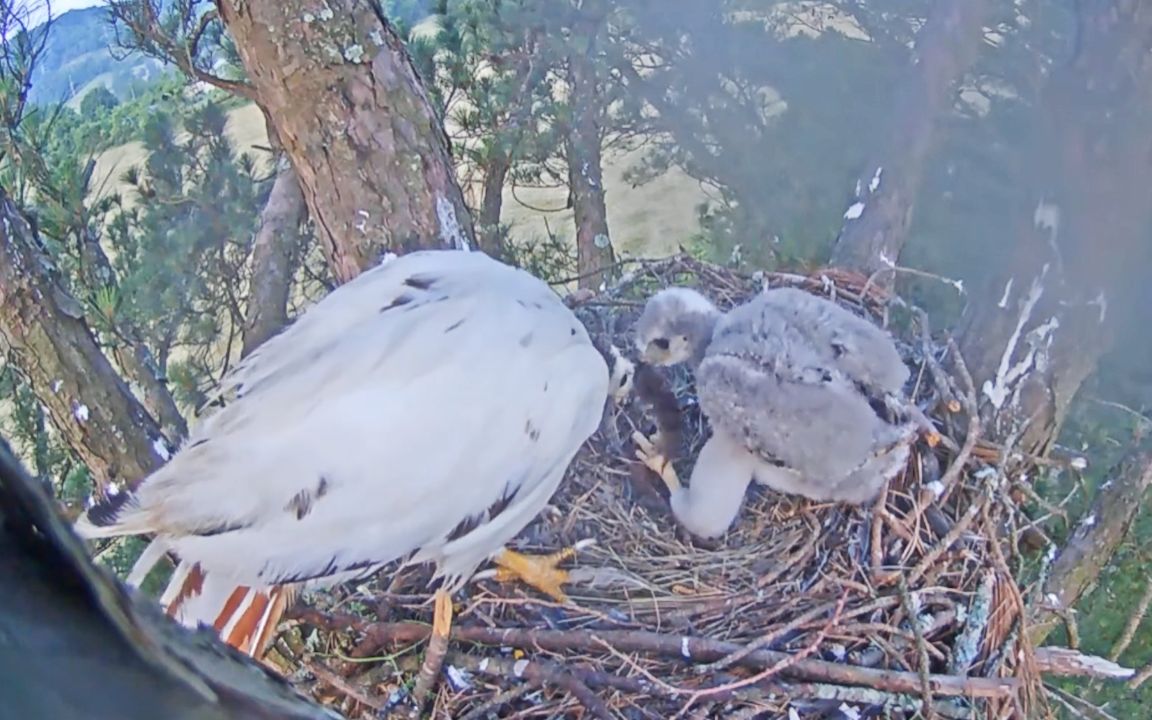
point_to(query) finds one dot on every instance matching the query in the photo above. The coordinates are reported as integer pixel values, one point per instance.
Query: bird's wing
(805, 420)
(441, 386)
(859, 349)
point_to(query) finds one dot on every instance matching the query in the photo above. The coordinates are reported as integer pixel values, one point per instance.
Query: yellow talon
(647, 453)
(539, 571)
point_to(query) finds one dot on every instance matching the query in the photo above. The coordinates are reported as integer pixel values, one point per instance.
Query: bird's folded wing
(378, 425)
(818, 427)
(859, 349)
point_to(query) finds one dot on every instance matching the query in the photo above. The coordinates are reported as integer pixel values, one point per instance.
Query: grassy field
(649, 220)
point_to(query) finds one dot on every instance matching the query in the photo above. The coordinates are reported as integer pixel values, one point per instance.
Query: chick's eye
(661, 343)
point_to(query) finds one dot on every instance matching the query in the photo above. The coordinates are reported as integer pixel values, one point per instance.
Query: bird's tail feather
(117, 514)
(246, 618)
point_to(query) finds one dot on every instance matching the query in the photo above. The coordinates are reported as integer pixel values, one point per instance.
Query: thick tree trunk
(370, 154)
(492, 204)
(1035, 335)
(583, 150)
(274, 253)
(945, 48)
(43, 332)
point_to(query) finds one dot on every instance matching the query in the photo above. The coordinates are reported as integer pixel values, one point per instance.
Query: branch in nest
(576, 681)
(685, 648)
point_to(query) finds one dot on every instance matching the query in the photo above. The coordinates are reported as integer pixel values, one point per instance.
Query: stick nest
(903, 609)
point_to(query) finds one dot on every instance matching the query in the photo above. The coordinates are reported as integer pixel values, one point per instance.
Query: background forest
(990, 160)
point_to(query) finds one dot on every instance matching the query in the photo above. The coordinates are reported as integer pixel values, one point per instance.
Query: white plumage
(426, 410)
(802, 396)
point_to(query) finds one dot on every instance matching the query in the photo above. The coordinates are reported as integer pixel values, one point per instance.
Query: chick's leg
(648, 454)
(437, 649)
(539, 571)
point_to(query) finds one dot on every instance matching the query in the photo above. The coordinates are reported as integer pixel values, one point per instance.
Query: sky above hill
(40, 8)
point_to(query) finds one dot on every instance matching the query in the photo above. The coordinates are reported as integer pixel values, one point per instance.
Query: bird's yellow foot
(647, 453)
(539, 571)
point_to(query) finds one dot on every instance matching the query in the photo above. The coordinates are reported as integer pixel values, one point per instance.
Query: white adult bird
(426, 411)
(802, 396)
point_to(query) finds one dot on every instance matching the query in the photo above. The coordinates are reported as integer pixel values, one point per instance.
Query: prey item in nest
(802, 396)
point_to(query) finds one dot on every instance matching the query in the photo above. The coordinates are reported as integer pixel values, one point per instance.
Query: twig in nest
(774, 669)
(968, 400)
(326, 676)
(767, 638)
(1032, 688)
(933, 555)
(497, 701)
(925, 667)
(544, 673)
(696, 648)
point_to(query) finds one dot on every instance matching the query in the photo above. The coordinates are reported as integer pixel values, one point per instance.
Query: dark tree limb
(128, 350)
(1038, 330)
(1095, 540)
(945, 48)
(352, 115)
(584, 150)
(274, 252)
(147, 34)
(42, 330)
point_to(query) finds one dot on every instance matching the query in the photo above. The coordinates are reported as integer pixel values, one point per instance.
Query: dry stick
(484, 709)
(689, 648)
(877, 539)
(767, 638)
(540, 673)
(1133, 623)
(1065, 662)
(947, 541)
(968, 400)
(1068, 700)
(343, 685)
(774, 669)
(504, 668)
(1026, 652)
(1140, 677)
(922, 648)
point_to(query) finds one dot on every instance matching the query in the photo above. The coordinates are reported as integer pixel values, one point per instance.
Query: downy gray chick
(801, 394)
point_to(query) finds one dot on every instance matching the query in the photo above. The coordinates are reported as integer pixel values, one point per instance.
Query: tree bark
(492, 204)
(945, 48)
(1095, 540)
(584, 152)
(370, 154)
(129, 352)
(44, 334)
(274, 253)
(1037, 332)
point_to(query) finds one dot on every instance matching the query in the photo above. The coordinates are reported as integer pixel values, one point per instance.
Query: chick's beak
(652, 354)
